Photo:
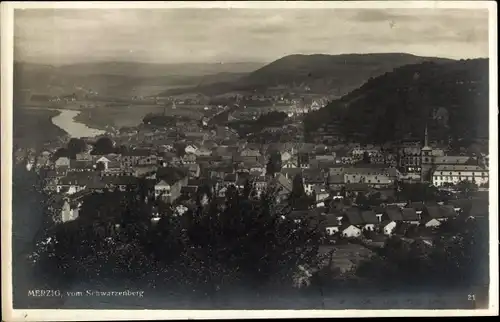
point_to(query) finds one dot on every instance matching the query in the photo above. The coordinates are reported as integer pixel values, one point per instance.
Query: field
(120, 116)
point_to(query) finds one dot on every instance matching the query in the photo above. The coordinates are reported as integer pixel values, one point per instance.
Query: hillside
(122, 78)
(452, 98)
(324, 74)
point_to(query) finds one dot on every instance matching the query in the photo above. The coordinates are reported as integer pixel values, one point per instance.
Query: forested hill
(451, 97)
(325, 74)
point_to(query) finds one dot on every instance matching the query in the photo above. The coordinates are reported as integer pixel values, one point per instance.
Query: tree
(249, 243)
(298, 190)
(274, 164)
(76, 146)
(61, 153)
(122, 149)
(103, 145)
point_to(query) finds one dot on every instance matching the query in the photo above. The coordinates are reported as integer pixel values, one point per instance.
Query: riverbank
(66, 120)
(34, 127)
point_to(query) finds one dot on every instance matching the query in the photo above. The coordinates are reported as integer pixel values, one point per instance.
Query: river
(65, 121)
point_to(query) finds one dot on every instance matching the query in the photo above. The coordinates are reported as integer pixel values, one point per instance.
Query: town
(357, 195)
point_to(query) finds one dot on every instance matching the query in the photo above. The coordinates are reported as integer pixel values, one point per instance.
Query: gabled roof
(357, 187)
(336, 179)
(409, 214)
(80, 164)
(418, 205)
(434, 212)
(451, 159)
(139, 153)
(460, 167)
(331, 220)
(171, 175)
(313, 176)
(394, 213)
(353, 216)
(283, 182)
(447, 211)
(369, 217)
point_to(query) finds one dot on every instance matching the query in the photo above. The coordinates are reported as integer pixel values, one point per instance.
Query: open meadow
(130, 115)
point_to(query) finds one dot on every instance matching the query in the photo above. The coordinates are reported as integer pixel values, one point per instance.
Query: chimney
(379, 217)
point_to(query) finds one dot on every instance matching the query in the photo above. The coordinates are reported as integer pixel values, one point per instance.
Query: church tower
(426, 159)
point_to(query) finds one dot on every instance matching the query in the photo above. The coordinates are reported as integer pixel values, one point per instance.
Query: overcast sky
(253, 35)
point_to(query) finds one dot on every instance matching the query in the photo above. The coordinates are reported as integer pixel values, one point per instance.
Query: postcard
(202, 160)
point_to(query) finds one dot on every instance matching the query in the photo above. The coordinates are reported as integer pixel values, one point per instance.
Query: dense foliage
(270, 119)
(245, 241)
(400, 104)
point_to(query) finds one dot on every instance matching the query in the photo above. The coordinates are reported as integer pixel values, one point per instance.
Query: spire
(426, 139)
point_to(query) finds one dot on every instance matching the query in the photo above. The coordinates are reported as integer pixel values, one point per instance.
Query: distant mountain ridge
(451, 98)
(332, 74)
(122, 78)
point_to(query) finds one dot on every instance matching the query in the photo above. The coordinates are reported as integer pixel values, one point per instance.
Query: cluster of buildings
(338, 219)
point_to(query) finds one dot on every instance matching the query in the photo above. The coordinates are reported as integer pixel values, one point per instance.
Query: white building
(453, 174)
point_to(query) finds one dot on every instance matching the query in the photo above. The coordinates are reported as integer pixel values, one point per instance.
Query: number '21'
(471, 297)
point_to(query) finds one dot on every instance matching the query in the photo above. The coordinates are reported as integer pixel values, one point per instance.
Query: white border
(6, 131)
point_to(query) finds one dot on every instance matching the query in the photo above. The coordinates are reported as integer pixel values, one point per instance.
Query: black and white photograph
(248, 156)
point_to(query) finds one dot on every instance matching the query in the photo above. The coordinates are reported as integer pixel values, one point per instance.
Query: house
(70, 210)
(410, 216)
(224, 152)
(388, 227)
(321, 193)
(370, 175)
(453, 174)
(131, 158)
(121, 183)
(74, 182)
(290, 163)
(332, 224)
(193, 170)
(104, 162)
(353, 189)
(191, 149)
(335, 181)
(189, 192)
(285, 156)
(392, 214)
(230, 179)
(83, 156)
(303, 160)
(352, 216)
(250, 153)
(432, 216)
(350, 231)
(81, 166)
(203, 151)
(259, 184)
(312, 178)
(326, 157)
(170, 182)
(283, 185)
(369, 220)
(139, 171)
(62, 162)
(189, 159)
(418, 206)
(148, 160)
